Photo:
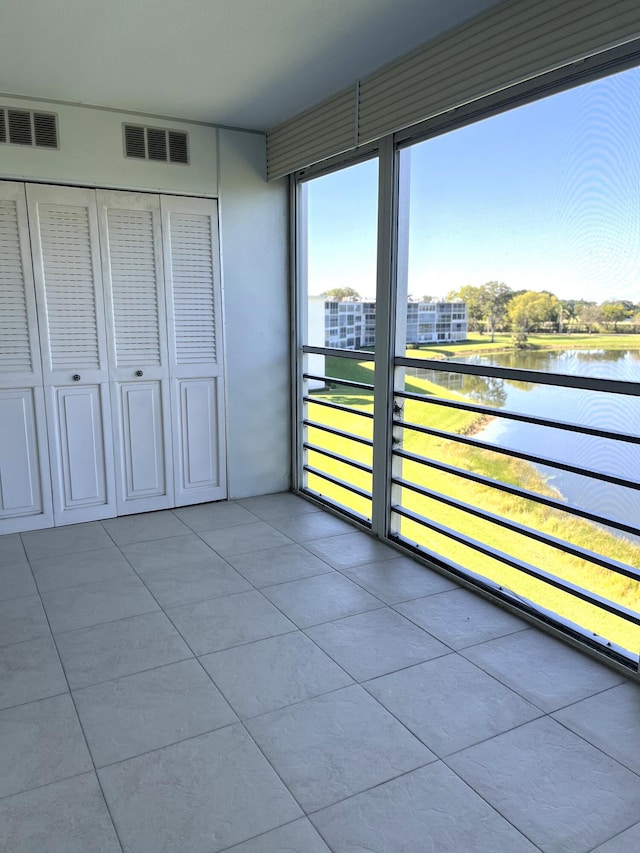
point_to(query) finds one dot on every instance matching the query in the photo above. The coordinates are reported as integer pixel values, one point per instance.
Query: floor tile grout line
(81, 687)
(613, 837)
(540, 716)
(144, 752)
(440, 655)
(310, 814)
(430, 748)
(106, 622)
(592, 744)
(32, 701)
(327, 571)
(67, 553)
(297, 702)
(491, 805)
(501, 679)
(266, 832)
(239, 721)
(80, 583)
(90, 771)
(544, 716)
(22, 545)
(86, 740)
(592, 695)
(189, 531)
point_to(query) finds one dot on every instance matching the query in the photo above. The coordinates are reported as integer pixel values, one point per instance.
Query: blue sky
(546, 196)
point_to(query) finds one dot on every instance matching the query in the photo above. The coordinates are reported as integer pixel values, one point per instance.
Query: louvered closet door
(25, 488)
(194, 318)
(131, 248)
(66, 259)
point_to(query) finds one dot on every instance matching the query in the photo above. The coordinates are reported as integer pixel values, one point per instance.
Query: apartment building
(351, 323)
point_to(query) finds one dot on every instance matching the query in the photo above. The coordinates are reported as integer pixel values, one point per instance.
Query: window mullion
(385, 337)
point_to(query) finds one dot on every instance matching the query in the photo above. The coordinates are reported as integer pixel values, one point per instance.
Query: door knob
(138, 373)
(76, 377)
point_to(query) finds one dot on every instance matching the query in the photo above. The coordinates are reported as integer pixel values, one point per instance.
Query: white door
(194, 319)
(25, 488)
(131, 249)
(66, 259)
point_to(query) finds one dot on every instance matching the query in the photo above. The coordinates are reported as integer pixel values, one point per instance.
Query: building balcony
(259, 675)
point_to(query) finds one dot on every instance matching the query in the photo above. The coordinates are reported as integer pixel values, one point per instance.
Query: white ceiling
(244, 63)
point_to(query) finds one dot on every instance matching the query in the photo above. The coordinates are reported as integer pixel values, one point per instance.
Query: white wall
(255, 280)
(91, 153)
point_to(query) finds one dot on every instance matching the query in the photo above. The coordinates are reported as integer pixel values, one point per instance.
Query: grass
(497, 466)
(477, 343)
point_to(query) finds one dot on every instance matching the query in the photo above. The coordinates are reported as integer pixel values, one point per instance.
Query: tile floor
(256, 676)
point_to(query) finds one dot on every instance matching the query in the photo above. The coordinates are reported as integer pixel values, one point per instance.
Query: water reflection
(610, 411)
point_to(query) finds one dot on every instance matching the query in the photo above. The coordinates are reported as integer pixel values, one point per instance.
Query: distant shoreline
(477, 344)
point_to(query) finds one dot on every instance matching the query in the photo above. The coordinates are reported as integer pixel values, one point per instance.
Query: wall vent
(26, 127)
(155, 143)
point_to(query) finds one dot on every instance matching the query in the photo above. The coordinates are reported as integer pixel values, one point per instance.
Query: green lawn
(491, 464)
(477, 343)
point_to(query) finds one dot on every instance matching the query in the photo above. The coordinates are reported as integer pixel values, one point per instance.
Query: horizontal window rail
(356, 355)
(517, 491)
(540, 574)
(516, 416)
(336, 481)
(350, 410)
(530, 532)
(536, 377)
(339, 432)
(519, 454)
(335, 505)
(337, 457)
(348, 383)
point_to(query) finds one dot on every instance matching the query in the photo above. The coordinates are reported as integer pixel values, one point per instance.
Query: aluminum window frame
(387, 359)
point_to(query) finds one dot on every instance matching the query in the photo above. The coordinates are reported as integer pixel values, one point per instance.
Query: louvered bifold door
(66, 259)
(25, 488)
(131, 248)
(194, 320)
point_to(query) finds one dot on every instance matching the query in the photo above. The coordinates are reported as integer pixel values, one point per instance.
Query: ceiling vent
(26, 127)
(155, 143)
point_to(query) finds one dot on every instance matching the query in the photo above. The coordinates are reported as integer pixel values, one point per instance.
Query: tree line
(493, 306)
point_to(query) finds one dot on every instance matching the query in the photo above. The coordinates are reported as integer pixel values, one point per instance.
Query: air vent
(20, 127)
(178, 151)
(134, 142)
(155, 143)
(24, 127)
(45, 131)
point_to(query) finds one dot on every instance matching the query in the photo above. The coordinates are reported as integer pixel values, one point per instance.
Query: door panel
(199, 464)
(141, 433)
(194, 319)
(132, 266)
(19, 481)
(25, 488)
(64, 236)
(78, 415)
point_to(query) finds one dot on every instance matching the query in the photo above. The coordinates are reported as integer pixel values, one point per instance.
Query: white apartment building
(351, 323)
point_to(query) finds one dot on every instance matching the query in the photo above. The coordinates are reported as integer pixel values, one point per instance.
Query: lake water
(617, 412)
